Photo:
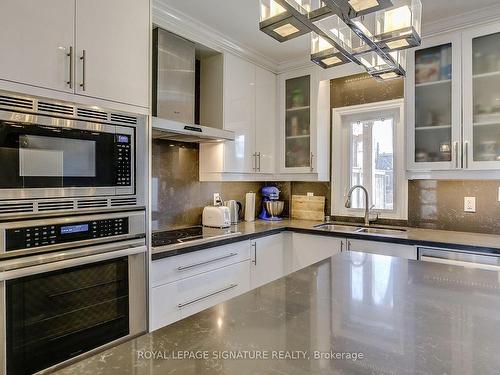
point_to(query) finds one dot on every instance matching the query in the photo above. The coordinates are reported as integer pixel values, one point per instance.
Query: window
(368, 144)
(372, 161)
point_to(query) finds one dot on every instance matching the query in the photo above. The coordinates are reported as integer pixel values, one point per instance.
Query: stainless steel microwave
(56, 155)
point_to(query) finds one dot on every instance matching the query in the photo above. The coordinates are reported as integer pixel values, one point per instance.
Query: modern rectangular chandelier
(371, 33)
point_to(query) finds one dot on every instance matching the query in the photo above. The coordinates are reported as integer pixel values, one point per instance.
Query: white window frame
(341, 156)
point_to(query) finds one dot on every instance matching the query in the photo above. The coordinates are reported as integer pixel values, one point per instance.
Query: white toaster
(216, 217)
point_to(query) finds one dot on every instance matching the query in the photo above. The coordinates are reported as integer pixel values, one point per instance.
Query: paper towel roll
(250, 207)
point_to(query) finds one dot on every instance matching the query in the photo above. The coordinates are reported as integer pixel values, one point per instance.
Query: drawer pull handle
(181, 305)
(183, 268)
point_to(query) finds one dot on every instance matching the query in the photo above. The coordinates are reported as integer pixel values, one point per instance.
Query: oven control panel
(123, 160)
(45, 235)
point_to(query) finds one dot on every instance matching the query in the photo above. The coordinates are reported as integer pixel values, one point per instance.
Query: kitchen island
(354, 313)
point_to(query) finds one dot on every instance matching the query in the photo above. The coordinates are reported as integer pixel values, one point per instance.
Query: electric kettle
(234, 210)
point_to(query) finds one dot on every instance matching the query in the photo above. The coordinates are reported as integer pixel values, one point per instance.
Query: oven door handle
(51, 262)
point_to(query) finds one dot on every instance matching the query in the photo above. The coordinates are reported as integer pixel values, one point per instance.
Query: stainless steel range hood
(174, 80)
(181, 132)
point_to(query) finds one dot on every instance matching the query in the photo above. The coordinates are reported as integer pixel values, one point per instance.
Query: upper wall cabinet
(250, 112)
(481, 81)
(434, 104)
(304, 125)
(453, 87)
(36, 51)
(94, 48)
(112, 41)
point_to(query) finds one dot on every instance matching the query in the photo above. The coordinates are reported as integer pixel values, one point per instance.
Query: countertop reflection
(383, 315)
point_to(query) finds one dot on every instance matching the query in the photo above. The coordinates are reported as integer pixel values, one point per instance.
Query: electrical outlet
(470, 204)
(217, 199)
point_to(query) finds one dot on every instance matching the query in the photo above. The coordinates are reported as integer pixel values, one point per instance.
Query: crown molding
(192, 29)
(462, 21)
(188, 27)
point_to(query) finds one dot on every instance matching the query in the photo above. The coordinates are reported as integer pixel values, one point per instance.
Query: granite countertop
(354, 313)
(487, 243)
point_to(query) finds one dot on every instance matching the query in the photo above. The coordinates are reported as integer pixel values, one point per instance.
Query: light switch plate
(470, 204)
(310, 194)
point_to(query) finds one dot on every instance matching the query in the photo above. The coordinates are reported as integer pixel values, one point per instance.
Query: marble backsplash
(439, 204)
(178, 197)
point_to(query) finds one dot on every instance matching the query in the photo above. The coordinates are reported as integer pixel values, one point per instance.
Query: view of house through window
(372, 161)
(369, 143)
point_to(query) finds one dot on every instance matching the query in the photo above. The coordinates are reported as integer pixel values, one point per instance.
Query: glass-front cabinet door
(482, 98)
(298, 122)
(434, 105)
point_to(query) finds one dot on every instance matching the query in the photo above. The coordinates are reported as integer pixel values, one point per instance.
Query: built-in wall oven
(58, 156)
(69, 286)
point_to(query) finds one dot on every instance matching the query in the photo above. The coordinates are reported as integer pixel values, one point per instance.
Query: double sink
(345, 228)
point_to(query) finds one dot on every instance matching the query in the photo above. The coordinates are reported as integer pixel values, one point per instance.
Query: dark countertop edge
(221, 242)
(357, 236)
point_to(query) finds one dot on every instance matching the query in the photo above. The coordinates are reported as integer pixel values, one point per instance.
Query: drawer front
(186, 297)
(179, 267)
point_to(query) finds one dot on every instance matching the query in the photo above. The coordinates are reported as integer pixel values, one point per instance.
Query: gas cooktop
(195, 233)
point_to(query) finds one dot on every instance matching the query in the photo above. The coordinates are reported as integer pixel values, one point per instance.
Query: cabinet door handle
(341, 246)
(311, 157)
(455, 146)
(258, 155)
(348, 245)
(182, 268)
(70, 55)
(466, 152)
(254, 245)
(184, 304)
(254, 162)
(83, 58)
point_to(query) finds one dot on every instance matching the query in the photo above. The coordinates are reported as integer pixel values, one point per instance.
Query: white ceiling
(238, 19)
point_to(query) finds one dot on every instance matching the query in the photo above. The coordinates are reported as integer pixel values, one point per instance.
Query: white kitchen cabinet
(185, 297)
(114, 35)
(239, 114)
(434, 104)
(265, 120)
(98, 49)
(249, 111)
(267, 259)
(382, 248)
(35, 41)
(308, 249)
(453, 111)
(178, 267)
(481, 112)
(304, 125)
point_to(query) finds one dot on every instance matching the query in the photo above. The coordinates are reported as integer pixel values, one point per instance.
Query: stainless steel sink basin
(382, 231)
(329, 227)
(338, 227)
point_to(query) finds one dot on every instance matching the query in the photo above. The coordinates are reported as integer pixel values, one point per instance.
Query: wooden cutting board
(308, 208)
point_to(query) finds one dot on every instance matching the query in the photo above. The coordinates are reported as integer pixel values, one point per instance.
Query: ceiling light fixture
(371, 33)
(277, 22)
(324, 53)
(360, 5)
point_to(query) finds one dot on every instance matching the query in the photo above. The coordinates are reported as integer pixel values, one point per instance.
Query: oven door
(49, 157)
(55, 312)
